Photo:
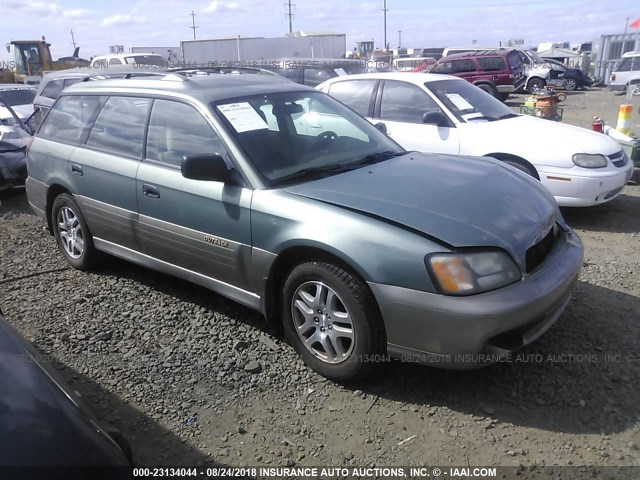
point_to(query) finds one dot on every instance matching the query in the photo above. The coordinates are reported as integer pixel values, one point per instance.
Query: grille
(619, 159)
(538, 252)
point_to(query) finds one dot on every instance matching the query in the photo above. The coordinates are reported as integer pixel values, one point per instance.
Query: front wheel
(535, 85)
(490, 89)
(570, 84)
(332, 321)
(72, 233)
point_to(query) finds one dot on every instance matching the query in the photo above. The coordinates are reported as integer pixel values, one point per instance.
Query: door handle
(150, 191)
(76, 169)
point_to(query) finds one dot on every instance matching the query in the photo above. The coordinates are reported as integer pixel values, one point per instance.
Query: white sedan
(446, 114)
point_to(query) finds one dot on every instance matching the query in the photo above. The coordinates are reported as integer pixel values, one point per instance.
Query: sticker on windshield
(459, 102)
(243, 117)
(341, 72)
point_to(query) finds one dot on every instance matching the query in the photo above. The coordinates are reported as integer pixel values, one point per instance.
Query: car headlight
(588, 160)
(471, 273)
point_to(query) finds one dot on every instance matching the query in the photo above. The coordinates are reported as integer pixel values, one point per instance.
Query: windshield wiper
(372, 158)
(306, 173)
(340, 167)
(483, 117)
(507, 115)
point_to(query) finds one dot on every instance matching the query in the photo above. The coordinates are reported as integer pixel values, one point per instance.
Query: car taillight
(613, 77)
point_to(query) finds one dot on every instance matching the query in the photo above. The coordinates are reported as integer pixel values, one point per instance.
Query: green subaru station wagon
(281, 198)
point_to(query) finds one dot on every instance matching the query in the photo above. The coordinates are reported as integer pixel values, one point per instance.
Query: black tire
(535, 85)
(503, 97)
(490, 89)
(88, 256)
(368, 346)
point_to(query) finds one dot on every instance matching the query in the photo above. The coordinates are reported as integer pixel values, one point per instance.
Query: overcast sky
(424, 23)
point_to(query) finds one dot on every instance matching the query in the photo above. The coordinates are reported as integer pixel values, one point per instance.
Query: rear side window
(624, 65)
(70, 117)
(53, 89)
(463, 66)
(120, 125)
(492, 64)
(115, 61)
(176, 130)
(355, 94)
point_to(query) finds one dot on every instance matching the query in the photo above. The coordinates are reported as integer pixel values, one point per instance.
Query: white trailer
(234, 50)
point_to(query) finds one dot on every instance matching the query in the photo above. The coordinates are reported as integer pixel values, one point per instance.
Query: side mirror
(205, 166)
(435, 118)
(382, 127)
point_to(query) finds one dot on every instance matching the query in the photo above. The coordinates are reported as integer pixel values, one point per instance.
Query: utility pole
(290, 15)
(399, 38)
(625, 25)
(384, 9)
(73, 40)
(193, 23)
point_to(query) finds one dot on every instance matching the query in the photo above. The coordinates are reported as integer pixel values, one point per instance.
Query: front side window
(115, 61)
(514, 61)
(120, 126)
(355, 94)
(312, 135)
(177, 130)
(403, 102)
(70, 117)
(468, 102)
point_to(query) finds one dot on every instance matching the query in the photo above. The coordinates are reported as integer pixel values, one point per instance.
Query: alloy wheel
(70, 232)
(323, 322)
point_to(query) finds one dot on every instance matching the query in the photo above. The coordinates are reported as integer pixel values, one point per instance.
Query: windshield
(18, 96)
(468, 102)
(295, 136)
(537, 59)
(145, 60)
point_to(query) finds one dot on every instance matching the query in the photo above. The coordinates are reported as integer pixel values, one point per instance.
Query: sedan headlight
(587, 160)
(471, 273)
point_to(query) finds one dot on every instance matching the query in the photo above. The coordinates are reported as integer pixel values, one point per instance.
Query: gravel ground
(192, 378)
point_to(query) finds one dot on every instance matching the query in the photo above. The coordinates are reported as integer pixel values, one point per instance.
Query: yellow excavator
(33, 57)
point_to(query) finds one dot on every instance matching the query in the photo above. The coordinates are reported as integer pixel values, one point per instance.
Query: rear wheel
(503, 97)
(332, 321)
(72, 233)
(570, 84)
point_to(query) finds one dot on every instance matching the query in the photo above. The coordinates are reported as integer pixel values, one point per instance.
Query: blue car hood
(460, 201)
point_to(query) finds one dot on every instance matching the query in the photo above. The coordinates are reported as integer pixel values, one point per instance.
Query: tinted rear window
(492, 64)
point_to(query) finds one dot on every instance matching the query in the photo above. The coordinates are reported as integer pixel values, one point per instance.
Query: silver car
(283, 199)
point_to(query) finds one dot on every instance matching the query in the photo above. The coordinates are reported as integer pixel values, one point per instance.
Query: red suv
(498, 72)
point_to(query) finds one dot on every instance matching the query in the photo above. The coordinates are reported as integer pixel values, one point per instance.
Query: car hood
(549, 140)
(22, 111)
(459, 201)
(42, 420)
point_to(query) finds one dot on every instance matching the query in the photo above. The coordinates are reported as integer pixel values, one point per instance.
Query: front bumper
(450, 331)
(13, 169)
(572, 190)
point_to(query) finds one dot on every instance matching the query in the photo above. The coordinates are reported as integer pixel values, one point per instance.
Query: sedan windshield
(297, 136)
(468, 102)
